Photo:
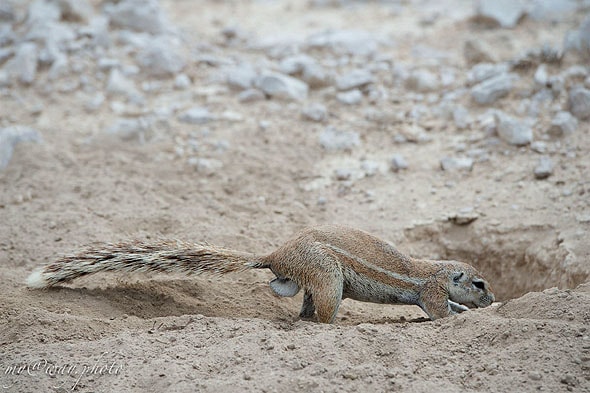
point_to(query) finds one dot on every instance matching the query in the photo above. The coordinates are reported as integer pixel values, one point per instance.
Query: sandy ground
(113, 332)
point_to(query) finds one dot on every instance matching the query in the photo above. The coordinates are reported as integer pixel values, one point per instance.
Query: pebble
(94, 103)
(251, 95)
(535, 375)
(464, 216)
(544, 168)
(241, 77)
(370, 167)
(355, 79)
(282, 86)
(120, 84)
(138, 15)
(506, 13)
(315, 112)
(161, 57)
(351, 42)
(23, 66)
(513, 131)
(562, 124)
(196, 115)
(579, 102)
(539, 147)
(480, 72)
(207, 166)
(342, 174)
(307, 68)
(352, 97)
(398, 162)
(182, 82)
(333, 139)
(10, 137)
(579, 40)
(132, 128)
(456, 163)
(493, 89)
(461, 117)
(422, 81)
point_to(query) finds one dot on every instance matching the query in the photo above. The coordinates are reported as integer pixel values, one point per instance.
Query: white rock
(351, 97)
(240, 77)
(483, 71)
(493, 89)
(513, 131)
(251, 95)
(138, 15)
(93, 104)
(351, 42)
(354, 79)
(162, 56)
(332, 139)
(10, 137)
(422, 81)
(196, 115)
(315, 112)
(579, 102)
(182, 82)
(282, 86)
(59, 68)
(23, 66)
(370, 167)
(506, 13)
(398, 162)
(544, 168)
(41, 12)
(342, 174)
(307, 68)
(207, 166)
(456, 164)
(120, 84)
(541, 76)
(139, 129)
(563, 124)
(461, 117)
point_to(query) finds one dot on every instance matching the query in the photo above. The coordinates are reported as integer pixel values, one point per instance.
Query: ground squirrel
(329, 262)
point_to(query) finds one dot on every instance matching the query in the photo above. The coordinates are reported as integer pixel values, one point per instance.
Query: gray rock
(351, 97)
(162, 56)
(461, 117)
(563, 124)
(251, 95)
(12, 136)
(41, 12)
(422, 81)
(282, 86)
(182, 82)
(60, 67)
(505, 13)
(93, 104)
(541, 76)
(207, 166)
(398, 162)
(307, 68)
(456, 164)
(477, 51)
(138, 15)
(539, 146)
(544, 168)
(579, 40)
(483, 71)
(342, 174)
(332, 139)
(493, 89)
(139, 129)
(354, 79)
(579, 102)
(464, 216)
(120, 84)
(196, 115)
(315, 112)
(350, 42)
(370, 167)
(513, 131)
(240, 77)
(23, 66)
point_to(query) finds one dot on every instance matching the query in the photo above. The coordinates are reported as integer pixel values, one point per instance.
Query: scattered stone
(506, 13)
(138, 15)
(461, 117)
(422, 81)
(398, 163)
(563, 124)
(12, 136)
(139, 129)
(241, 77)
(120, 84)
(161, 57)
(307, 68)
(513, 131)
(544, 168)
(534, 375)
(351, 42)
(196, 115)
(579, 102)
(539, 147)
(354, 80)
(493, 89)
(352, 97)
(282, 86)
(541, 76)
(579, 40)
(251, 95)
(95, 102)
(23, 66)
(342, 174)
(456, 164)
(370, 167)
(315, 112)
(207, 166)
(412, 133)
(477, 51)
(333, 139)
(483, 71)
(182, 82)
(465, 216)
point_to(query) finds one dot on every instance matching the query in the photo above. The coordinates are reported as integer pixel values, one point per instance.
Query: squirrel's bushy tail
(168, 256)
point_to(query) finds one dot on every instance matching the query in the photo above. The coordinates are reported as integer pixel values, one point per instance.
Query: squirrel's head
(468, 287)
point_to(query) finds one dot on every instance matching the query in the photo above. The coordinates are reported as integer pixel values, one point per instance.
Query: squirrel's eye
(458, 277)
(479, 285)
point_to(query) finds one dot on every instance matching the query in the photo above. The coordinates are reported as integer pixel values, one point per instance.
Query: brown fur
(329, 262)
